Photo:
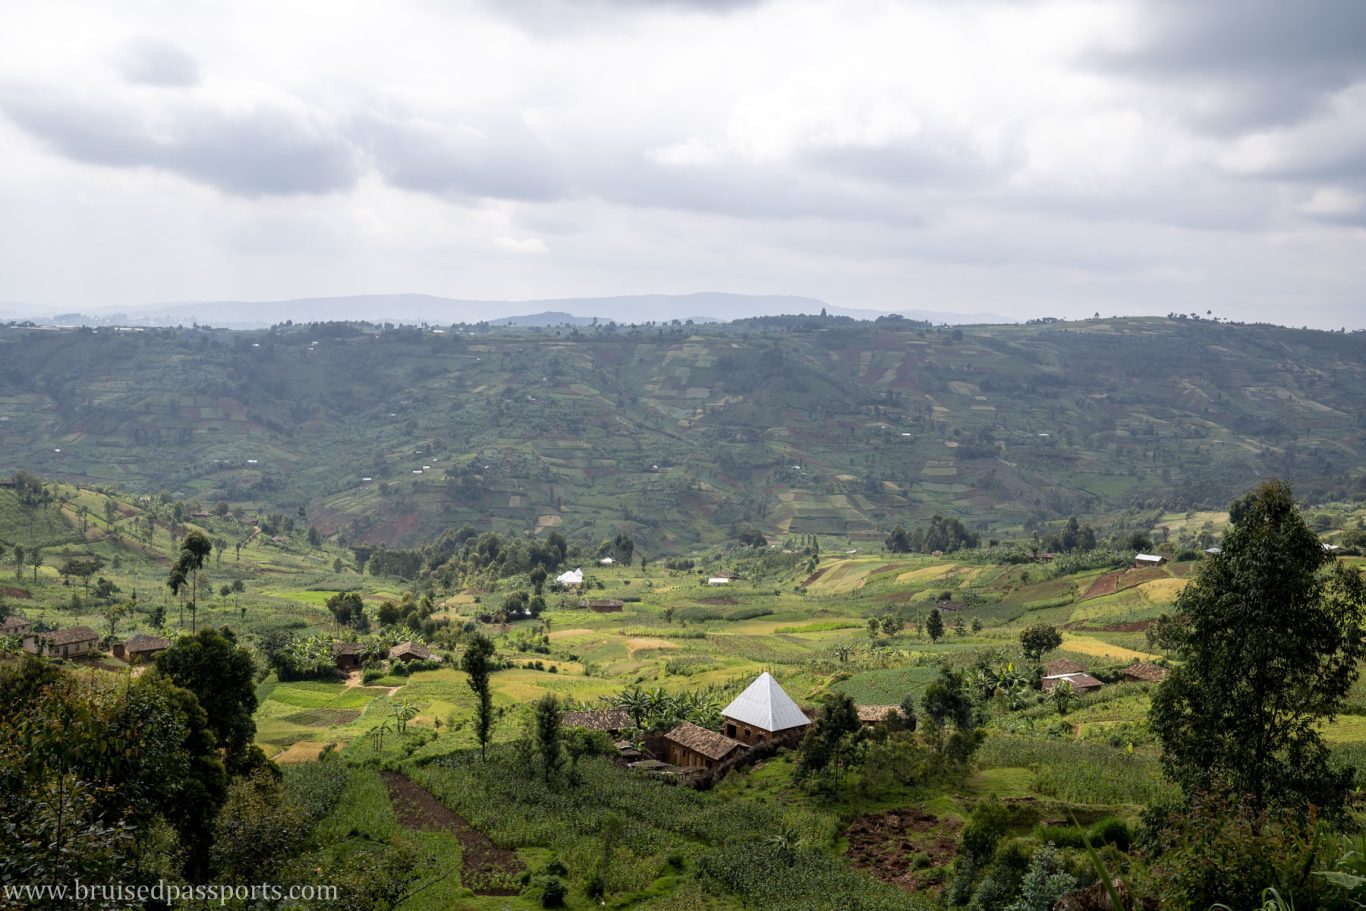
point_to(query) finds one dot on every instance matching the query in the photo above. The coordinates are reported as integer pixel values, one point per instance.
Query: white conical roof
(765, 706)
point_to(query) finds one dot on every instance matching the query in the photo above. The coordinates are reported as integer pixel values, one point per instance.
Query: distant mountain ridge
(704, 306)
(681, 434)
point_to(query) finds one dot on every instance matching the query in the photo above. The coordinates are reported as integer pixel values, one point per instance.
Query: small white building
(573, 577)
(1149, 559)
(606, 561)
(719, 580)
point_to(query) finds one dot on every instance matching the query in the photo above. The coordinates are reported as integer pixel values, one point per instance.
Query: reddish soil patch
(721, 599)
(1110, 583)
(886, 845)
(814, 576)
(10, 591)
(486, 869)
(1107, 584)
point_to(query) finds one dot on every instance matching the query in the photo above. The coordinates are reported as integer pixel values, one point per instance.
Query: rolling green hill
(684, 434)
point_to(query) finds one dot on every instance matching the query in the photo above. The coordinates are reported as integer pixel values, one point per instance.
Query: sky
(1024, 158)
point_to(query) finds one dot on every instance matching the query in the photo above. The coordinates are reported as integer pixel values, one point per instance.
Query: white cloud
(1022, 157)
(521, 245)
(689, 152)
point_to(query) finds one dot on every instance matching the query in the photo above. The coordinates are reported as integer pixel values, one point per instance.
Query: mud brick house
(693, 747)
(761, 712)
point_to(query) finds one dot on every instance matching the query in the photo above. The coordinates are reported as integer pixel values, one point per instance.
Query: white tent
(765, 706)
(573, 577)
(607, 561)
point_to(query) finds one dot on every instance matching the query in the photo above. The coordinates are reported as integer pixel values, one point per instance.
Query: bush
(371, 674)
(1215, 851)
(553, 891)
(1111, 831)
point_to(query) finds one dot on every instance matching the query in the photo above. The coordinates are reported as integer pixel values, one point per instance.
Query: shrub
(1112, 831)
(553, 891)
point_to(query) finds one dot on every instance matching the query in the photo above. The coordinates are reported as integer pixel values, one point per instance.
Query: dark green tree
(548, 735)
(1272, 644)
(477, 663)
(1038, 639)
(829, 742)
(948, 699)
(898, 542)
(221, 675)
(934, 624)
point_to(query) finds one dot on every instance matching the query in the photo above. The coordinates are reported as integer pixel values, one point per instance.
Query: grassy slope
(840, 432)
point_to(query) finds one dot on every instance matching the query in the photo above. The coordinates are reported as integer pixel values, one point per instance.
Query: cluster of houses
(1065, 670)
(763, 714)
(348, 656)
(78, 641)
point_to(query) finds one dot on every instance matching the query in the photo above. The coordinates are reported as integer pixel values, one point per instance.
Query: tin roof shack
(762, 711)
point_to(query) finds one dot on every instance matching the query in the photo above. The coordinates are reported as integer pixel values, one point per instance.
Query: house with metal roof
(762, 711)
(1081, 683)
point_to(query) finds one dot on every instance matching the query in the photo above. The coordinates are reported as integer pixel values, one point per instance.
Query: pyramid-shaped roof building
(764, 705)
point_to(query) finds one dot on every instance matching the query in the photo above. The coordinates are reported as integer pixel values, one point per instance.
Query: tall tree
(1270, 650)
(476, 662)
(934, 625)
(829, 742)
(548, 735)
(194, 551)
(221, 675)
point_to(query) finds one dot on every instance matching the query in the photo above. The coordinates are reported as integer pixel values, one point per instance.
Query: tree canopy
(1270, 649)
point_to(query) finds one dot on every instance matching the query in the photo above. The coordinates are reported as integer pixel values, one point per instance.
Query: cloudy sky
(1026, 158)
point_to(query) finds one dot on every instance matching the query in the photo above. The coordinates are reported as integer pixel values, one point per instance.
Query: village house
(604, 605)
(66, 643)
(1144, 672)
(1141, 560)
(1062, 666)
(1081, 683)
(869, 715)
(409, 651)
(1063, 669)
(693, 747)
(347, 655)
(572, 577)
(719, 580)
(762, 711)
(19, 628)
(141, 648)
(611, 721)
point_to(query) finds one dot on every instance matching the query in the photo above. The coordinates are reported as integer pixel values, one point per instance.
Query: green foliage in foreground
(1081, 772)
(623, 828)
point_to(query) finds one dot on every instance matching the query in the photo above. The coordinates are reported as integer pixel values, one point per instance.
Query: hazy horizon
(1035, 158)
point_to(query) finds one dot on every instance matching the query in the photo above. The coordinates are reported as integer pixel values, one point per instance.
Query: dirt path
(353, 678)
(486, 869)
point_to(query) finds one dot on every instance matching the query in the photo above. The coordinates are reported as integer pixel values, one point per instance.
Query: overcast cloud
(1025, 158)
